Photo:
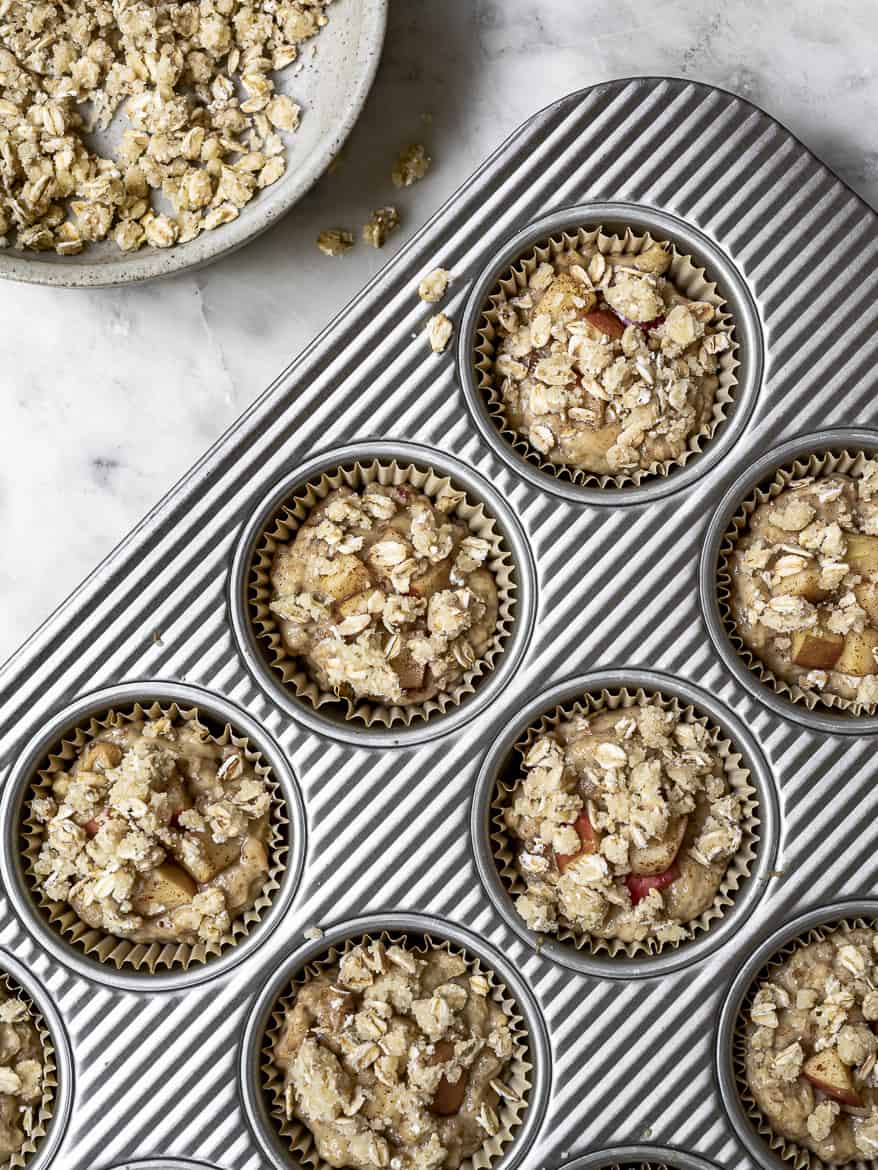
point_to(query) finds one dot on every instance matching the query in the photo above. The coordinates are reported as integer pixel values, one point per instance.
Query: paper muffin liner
(814, 464)
(108, 948)
(282, 529)
(517, 1077)
(798, 1156)
(42, 1113)
(692, 281)
(737, 777)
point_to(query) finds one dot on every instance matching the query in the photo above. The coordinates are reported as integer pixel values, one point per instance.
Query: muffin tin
(158, 1073)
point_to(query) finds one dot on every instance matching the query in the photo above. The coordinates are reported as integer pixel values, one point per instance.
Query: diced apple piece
(101, 755)
(815, 650)
(333, 1009)
(805, 583)
(607, 323)
(589, 838)
(827, 1072)
(354, 604)
(449, 1095)
(639, 886)
(411, 673)
(434, 578)
(858, 656)
(348, 577)
(164, 888)
(866, 594)
(862, 553)
(658, 855)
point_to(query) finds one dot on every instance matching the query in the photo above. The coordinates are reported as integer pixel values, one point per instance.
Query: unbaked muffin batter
(395, 1057)
(604, 365)
(384, 596)
(811, 1047)
(156, 833)
(804, 593)
(21, 1074)
(625, 825)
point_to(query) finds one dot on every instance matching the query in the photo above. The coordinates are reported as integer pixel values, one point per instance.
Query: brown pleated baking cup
(516, 1079)
(282, 530)
(737, 776)
(819, 463)
(108, 948)
(41, 1113)
(690, 280)
(798, 1156)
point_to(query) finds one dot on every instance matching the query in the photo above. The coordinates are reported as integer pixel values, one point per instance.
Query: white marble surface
(107, 397)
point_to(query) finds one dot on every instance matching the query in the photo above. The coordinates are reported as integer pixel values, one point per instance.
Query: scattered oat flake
(382, 222)
(335, 242)
(313, 933)
(439, 331)
(412, 164)
(435, 285)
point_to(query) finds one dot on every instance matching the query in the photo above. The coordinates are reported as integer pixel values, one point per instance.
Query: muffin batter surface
(804, 593)
(395, 1057)
(811, 1045)
(21, 1074)
(384, 596)
(624, 824)
(156, 833)
(604, 365)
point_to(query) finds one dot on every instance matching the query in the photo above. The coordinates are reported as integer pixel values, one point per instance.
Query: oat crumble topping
(395, 1058)
(624, 824)
(811, 1046)
(805, 585)
(155, 833)
(439, 331)
(381, 223)
(335, 241)
(384, 595)
(604, 365)
(203, 123)
(434, 286)
(411, 166)
(21, 1074)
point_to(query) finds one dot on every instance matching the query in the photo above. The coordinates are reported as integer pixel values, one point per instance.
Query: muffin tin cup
(699, 263)
(771, 1151)
(107, 958)
(639, 1158)
(831, 450)
(745, 878)
(531, 1061)
(58, 1086)
(278, 673)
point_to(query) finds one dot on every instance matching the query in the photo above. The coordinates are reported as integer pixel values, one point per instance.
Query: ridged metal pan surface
(156, 1074)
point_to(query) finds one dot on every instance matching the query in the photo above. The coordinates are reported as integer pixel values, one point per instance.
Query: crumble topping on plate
(395, 1058)
(21, 1074)
(335, 241)
(625, 825)
(604, 365)
(811, 1046)
(804, 593)
(385, 596)
(411, 166)
(202, 126)
(155, 833)
(381, 223)
(434, 285)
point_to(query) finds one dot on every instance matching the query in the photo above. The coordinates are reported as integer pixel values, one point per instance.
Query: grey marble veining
(106, 397)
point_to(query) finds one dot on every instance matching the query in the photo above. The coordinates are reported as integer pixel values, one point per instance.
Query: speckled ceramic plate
(336, 74)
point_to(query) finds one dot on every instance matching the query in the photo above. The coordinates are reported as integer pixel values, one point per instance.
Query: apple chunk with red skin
(589, 839)
(828, 1073)
(640, 885)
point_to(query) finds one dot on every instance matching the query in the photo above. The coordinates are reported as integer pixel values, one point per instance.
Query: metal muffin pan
(639, 1158)
(631, 1060)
